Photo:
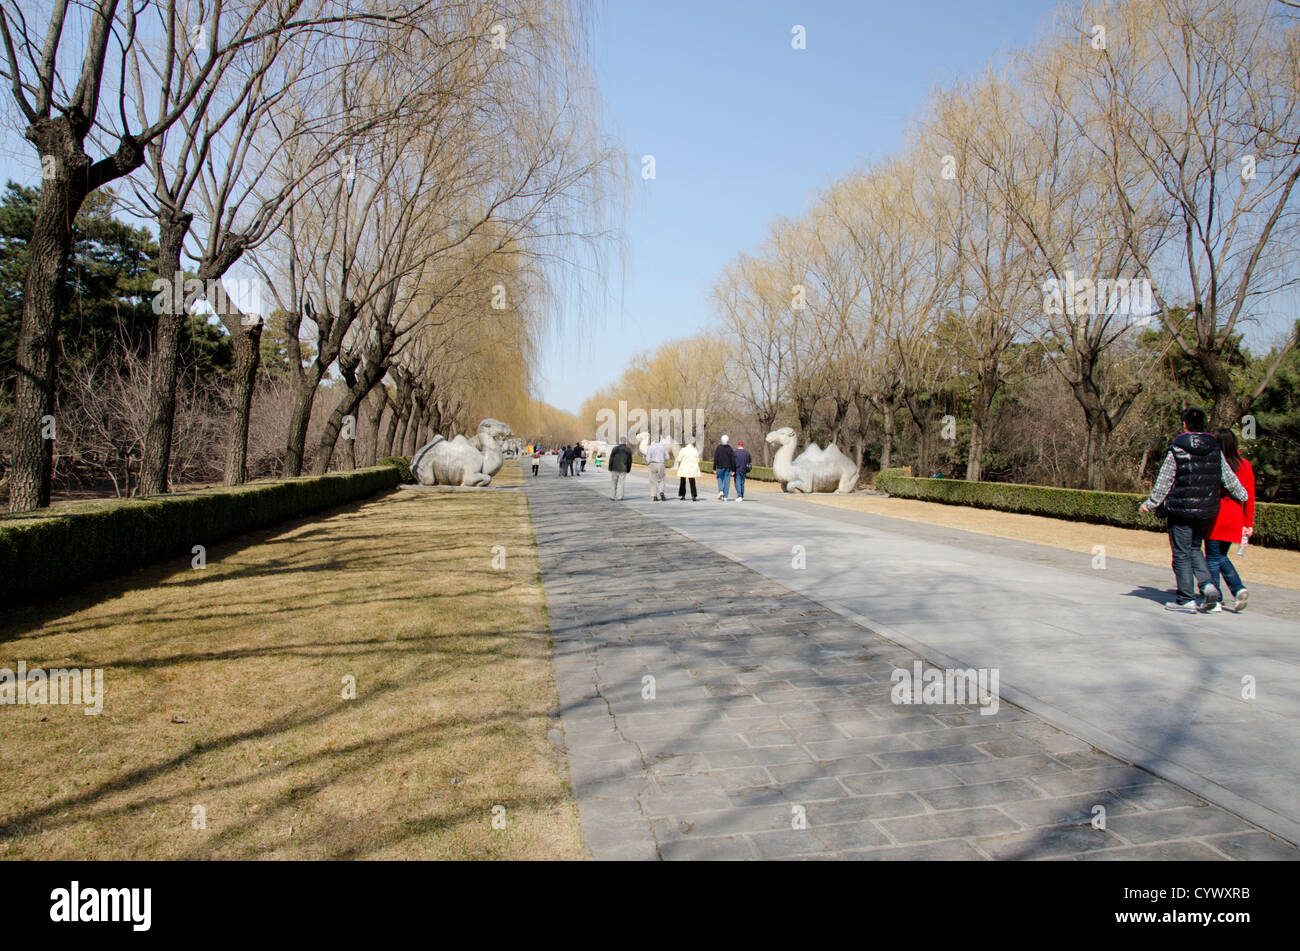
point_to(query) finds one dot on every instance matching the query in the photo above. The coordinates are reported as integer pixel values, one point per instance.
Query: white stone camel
(596, 448)
(643, 443)
(816, 470)
(490, 440)
(459, 461)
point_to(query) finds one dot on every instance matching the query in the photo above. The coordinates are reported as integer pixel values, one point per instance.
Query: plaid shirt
(1169, 468)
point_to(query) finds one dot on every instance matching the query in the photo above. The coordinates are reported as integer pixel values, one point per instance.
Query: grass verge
(223, 690)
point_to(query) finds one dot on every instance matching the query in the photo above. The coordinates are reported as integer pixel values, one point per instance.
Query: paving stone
(980, 794)
(1186, 850)
(1176, 824)
(1048, 842)
(948, 825)
(949, 850)
(715, 849)
(792, 842)
(770, 708)
(1253, 846)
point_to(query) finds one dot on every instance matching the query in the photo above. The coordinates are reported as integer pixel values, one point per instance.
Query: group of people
(573, 460)
(727, 463)
(1205, 491)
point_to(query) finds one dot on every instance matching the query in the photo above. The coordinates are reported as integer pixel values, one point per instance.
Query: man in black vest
(1187, 493)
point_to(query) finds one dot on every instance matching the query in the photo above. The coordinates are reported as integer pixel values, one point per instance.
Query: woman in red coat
(1234, 523)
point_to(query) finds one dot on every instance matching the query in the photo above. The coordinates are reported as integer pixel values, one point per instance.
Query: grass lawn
(223, 689)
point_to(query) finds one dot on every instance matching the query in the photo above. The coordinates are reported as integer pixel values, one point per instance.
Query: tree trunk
(248, 355)
(376, 400)
(304, 396)
(34, 431)
(156, 460)
(887, 443)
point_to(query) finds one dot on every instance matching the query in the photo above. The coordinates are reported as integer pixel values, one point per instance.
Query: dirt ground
(226, 732)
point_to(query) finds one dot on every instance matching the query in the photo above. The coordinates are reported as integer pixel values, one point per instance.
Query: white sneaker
(1215, 608)
(1184, 607)
(1242, 595)
(740, 498)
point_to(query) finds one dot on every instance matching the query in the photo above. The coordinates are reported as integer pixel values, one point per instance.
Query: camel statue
(459, 461)
(643, 441)
(489, 440)
(596, 448)
(816, 470)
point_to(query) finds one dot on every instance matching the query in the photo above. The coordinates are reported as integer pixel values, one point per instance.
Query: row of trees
(1073, 237)
(396, 188)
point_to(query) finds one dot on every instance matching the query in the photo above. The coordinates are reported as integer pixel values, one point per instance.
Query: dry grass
(223, 689)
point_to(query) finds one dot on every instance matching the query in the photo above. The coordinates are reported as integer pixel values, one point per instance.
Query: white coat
(688, 463)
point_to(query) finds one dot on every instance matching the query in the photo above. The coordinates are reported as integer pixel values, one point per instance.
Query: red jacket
(1233, 517)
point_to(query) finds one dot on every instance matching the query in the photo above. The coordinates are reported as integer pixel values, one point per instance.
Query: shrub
(1276, 525)
(51, 551)
(402, 464)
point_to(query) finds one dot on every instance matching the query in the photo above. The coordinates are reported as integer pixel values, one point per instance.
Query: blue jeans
(740, 483)
(724, 481)
(1190, 569)
(1216, 558)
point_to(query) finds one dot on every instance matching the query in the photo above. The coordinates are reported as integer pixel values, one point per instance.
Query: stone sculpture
(816, 469)
(461, 461)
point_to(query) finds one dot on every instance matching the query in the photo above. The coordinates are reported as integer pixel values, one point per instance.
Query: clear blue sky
(744, 128)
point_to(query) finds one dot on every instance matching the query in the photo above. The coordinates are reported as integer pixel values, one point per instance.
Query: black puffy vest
(1196, 489)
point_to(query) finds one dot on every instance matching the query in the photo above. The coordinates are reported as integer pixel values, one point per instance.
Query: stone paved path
(770, 732)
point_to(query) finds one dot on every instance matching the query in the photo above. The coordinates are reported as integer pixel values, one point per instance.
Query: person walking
(688, 470)
(1234, 524)
(537, 459)
(620, 464)
(724, 462)
(1186, 493)
(744, 462)
(566, 461)
(580, 457)
(656, 458)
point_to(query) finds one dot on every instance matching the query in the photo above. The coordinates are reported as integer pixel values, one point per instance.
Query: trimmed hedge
(1276, 525)
(401, 463)
(51, 551)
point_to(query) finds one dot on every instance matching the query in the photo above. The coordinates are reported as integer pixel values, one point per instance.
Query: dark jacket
(724, 457)
(743, 460)
(1195, 492)
(620, 459)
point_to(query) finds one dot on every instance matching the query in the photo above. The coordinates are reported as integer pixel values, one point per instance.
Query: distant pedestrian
(724, 463)
(620, 464)
(1234, 524)
(579, 460)
(688, 470)
(537, 460)
(566, 461)
(1186, 493)
(744, 462)
(656, 458)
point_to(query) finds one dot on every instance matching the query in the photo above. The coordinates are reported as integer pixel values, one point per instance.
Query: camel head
(494, 428)
(785, 436)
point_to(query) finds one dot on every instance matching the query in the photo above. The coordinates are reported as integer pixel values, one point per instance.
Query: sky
(743, 128)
